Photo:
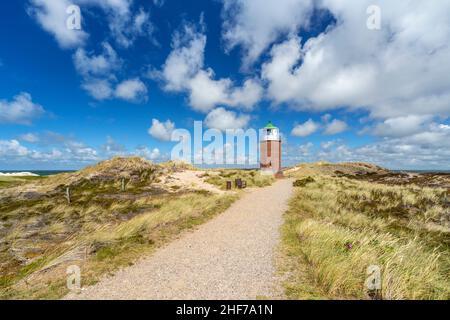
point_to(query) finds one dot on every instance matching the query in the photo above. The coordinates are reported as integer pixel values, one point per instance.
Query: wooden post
(123, 184)
(68, 194)
(228, 185)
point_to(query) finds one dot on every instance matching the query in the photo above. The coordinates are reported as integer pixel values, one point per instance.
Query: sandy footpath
(229, 257)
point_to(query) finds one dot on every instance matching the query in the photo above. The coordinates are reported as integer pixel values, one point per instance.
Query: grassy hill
(345, 218)
(119, 210)
(342, 219)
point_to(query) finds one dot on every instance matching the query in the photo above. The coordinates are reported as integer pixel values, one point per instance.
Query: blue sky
(338, 89)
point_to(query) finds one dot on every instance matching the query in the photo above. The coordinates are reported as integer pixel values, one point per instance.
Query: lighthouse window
(269, 131)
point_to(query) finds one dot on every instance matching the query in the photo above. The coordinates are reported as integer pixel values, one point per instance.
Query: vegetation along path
(229, 257)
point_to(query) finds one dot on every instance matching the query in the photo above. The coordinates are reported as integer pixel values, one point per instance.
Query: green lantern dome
(270, 125)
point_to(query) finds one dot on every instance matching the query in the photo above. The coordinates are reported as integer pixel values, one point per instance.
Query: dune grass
(10, 181)
(336, 228)
(96, 232)
(253, 178)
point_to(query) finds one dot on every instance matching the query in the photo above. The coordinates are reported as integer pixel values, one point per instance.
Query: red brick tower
(270, 149)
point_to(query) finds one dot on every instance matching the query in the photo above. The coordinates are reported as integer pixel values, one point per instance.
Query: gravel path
(229, 257)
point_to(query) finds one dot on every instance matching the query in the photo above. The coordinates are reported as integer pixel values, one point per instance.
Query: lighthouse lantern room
(270, 149)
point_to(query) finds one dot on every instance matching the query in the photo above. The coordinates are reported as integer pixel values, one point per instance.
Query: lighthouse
(270, 149)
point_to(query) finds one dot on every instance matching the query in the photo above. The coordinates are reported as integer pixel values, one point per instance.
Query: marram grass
(336, 228)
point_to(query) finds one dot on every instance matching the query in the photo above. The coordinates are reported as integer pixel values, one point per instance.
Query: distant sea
(42, 173)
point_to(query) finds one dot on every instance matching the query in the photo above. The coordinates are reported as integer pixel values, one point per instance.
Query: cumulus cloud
(124, 24)
(91, 65)
(184, 71)
(327, 144)
(126, 28)
(29, 137)
(142, 26)
(99, 89)
(223, 119)
(131, 90)
(11, 148)
(253, 26)
(78, 151)
(99, 79)
(305, 149)
(151, 154)
(185, 59)
(161, 130)
(21, 110)
(429, 148)
(399, 70)
(159, 3)
(97, 71)
(51, 16)
(70, 152)
(61, 150)
(401, 126)
(305, 129)
(335, 126)
(112, 148)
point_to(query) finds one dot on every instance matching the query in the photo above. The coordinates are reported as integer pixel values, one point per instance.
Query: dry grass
(11, 181)
(336, 228)
(101, 230)
(108, 237)
(254, 178)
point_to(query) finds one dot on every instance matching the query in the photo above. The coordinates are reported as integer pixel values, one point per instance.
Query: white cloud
(159, 3)
(11, 148)
(254, 26)
(125, 25)
(142, 26)
(131, 90)
(401, 126)
(161, 130)
(121, 7)
(427, 149)
(305, 149)
(78, 151)
(112, 148)
(100, 89)
(184, 71)
(326, 117)
(327, 144)
(127, 28)
(99, 79)
(60, 150)
(91, 65)
(21, 110)
(335, 126)
(399, 70)
(305, 129)
(185, 59)
(246, 96)
(70, 152)
(151, 154)
(98, 71)
(52, 17)
(222, 119)
(29, 137)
